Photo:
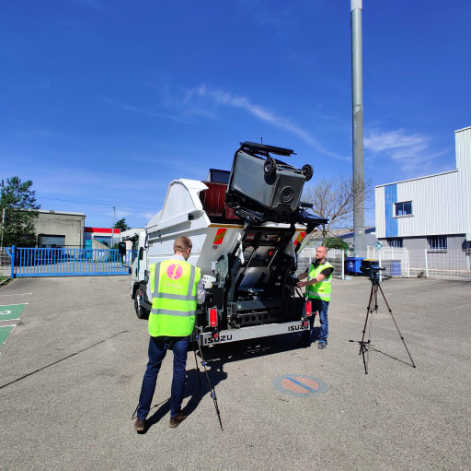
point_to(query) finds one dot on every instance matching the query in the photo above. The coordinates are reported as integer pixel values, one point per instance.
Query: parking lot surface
(71, 372)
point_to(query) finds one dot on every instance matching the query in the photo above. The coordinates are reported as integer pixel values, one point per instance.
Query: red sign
(299, 239)
(220, 235)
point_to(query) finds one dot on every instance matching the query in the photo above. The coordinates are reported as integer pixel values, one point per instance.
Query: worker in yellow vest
(174, 287)
(318, 290)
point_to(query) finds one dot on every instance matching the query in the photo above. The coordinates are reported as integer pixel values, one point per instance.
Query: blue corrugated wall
(391, 224)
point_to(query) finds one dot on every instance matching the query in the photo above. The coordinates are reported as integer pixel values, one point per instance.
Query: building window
(437, 243)
(403, 209)
(398, 243)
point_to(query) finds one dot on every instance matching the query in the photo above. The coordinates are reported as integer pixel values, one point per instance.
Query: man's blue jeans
(322, 308)
(157, 351)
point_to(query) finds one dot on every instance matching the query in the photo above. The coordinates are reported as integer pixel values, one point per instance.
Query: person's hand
(301, 284)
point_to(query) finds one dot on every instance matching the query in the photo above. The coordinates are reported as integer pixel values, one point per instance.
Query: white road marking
(24, 294)
(5, 305)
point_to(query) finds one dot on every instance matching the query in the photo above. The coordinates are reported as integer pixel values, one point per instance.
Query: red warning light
(308, 311)
(213, 317)
(271, 252)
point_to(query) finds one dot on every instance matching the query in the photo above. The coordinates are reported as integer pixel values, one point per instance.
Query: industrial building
(370, 237)
(431, 212)
(59, 228)
(101, 237)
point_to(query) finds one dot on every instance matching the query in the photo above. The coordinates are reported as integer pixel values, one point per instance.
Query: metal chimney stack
(357, 126)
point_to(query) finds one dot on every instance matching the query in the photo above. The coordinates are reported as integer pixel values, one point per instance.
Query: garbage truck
(247, 226)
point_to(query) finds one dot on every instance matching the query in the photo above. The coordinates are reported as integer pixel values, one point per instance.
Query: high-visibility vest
(321, 290)
(174, 298)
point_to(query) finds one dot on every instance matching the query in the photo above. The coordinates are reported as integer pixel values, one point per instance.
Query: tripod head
(373, 273)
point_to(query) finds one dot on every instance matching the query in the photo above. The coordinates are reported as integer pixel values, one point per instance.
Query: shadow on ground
(215, 357)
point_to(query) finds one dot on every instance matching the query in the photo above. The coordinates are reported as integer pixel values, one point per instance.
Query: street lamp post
(357, 127)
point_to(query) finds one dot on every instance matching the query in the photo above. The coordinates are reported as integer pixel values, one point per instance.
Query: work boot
(322, 346)
(177, 420)
(140, 425)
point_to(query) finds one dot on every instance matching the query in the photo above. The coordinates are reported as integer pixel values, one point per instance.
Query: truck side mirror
(141, 253)
(122, 248)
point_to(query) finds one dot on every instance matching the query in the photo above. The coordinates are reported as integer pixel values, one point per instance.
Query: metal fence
(33, 262)
(335, 257)
(401, 262)
(448, 264)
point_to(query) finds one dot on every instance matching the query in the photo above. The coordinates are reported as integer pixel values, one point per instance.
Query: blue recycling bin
(396, 267)
(353, 265)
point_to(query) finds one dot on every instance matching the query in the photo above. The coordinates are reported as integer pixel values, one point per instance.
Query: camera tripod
(373, 306)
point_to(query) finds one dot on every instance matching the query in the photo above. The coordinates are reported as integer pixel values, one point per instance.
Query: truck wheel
(141, 313)
(269, 166)
(307, 170)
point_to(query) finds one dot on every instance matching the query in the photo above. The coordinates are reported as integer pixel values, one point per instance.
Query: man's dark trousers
(322, 308)
(157, 351)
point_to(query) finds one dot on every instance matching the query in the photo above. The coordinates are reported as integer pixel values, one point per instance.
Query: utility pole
(3, 227)
(112, 229)
(357, 127)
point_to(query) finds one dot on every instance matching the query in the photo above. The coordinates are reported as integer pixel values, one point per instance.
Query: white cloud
(242, 102)
(379, 141)
(410, 151)
(203, 102)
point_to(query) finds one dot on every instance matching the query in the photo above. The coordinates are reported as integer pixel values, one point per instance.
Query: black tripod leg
(212, 391)
(366, 319)
(196, 361)
(364, 350)
(396, 325)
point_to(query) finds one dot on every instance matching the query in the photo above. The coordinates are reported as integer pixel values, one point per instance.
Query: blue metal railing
(28, 262)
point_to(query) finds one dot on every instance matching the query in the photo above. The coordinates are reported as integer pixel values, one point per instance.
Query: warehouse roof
(51, 211)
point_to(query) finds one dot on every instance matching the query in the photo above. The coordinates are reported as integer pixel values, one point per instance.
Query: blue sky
(104, 102)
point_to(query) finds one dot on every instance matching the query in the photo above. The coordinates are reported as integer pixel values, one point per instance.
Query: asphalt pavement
(71, 372)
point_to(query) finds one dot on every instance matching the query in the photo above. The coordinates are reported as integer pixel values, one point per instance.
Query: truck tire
(141, 312)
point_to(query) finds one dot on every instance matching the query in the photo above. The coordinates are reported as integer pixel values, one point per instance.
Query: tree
(19, 209)
(121, 224)
(333, 199)
(336, 243)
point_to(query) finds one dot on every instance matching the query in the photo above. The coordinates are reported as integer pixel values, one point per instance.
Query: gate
(27, 262)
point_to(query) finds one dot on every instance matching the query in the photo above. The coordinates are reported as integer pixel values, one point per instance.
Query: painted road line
(13, 311)
(300, 385)
(21, 304)
(23, 294)
(5, 332)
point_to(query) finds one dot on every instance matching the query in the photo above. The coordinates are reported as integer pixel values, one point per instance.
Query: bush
(336, 243)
